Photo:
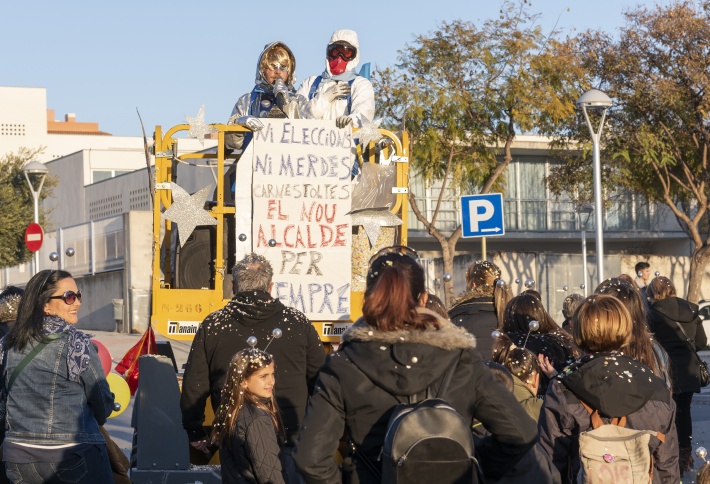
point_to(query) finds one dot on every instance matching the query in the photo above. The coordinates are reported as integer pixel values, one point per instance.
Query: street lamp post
(35, 173)
(586, 209)
(598, 101)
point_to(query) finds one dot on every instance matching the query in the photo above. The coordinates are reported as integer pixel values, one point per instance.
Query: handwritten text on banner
(301, 193)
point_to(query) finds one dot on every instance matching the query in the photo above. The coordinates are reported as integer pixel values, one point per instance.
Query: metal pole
(598, 207)
(483, 248)
(584, 260)
(36, 200)
(37, 170)
(598, 216)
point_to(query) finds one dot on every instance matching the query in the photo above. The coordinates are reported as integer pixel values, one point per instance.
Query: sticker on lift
(183, 327)
(335, 329)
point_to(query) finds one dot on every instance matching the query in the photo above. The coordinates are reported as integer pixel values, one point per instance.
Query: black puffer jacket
(355, 391)
(616, 386)
(556, 345)
(662, 322)
(298, 355)
(478, 316)
(252, 454)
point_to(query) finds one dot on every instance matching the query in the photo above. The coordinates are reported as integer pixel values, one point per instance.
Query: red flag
(128, 366)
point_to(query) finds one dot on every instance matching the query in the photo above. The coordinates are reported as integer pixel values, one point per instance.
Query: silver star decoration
(369, 132)
(188, 211)
(372, 219)
(198, 128)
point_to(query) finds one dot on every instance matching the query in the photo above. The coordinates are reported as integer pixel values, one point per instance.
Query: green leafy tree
(17, 206)
(657, 138)
(464, 92)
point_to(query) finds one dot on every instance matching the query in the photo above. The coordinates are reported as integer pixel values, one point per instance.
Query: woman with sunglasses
(400, 349)
(59, 395)
(340, 93)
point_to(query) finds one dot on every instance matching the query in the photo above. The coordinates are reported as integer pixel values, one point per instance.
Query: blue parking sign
(482, 215)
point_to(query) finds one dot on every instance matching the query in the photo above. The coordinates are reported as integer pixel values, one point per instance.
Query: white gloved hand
(337, 90)
(250, 122)
(343, 121)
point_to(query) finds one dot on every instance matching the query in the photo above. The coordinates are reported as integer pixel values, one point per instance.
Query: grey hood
(261, 80)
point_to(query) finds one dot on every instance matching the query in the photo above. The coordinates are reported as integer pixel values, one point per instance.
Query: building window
(100, 175)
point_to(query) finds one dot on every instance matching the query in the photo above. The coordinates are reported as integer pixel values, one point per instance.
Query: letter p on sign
(480, 210)
(482, 215)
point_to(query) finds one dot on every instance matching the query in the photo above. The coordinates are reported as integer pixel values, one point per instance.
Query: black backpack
(429, 441)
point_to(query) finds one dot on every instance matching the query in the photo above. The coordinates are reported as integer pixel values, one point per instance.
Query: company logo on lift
(335, 329)
(183, 327)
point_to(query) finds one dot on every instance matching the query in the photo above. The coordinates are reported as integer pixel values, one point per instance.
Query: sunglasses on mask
(345, 52)
(278, 67)
(68, 297)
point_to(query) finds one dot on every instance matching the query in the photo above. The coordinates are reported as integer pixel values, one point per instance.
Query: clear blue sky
(102, 60)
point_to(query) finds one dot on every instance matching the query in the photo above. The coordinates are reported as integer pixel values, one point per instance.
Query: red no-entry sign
(34, 235)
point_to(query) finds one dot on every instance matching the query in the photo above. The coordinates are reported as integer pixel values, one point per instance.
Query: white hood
(349, 36)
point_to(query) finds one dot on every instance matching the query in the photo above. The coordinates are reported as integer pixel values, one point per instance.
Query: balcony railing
(626, 214)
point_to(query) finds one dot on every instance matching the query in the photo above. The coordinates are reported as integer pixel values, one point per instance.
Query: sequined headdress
(255, 359)
(8, 308)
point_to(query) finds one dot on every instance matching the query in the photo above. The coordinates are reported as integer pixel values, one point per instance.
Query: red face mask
(337, 65)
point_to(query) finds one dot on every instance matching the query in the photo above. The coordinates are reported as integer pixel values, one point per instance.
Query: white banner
(301, 192)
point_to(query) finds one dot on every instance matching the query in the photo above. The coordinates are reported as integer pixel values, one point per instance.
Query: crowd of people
(531, 393)
(530, 390)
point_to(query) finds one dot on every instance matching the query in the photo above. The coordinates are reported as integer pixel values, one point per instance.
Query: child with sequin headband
(524, 367)
(247, 425)
(528, 324)
(480, 309)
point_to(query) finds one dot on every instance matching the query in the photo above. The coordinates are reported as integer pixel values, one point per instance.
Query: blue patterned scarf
(78, 356)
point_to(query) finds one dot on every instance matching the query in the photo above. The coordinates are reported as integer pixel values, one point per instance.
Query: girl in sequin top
(247, 425)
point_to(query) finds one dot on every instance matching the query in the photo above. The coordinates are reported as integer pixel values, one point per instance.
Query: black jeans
(90, 467)
(683, 422)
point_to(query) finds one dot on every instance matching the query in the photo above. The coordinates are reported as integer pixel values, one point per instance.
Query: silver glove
(250, 122)
(280, 87)
(281, 92)
(343, 121)
(338, 90)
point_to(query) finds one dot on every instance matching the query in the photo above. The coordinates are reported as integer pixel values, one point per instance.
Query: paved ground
(122, 432)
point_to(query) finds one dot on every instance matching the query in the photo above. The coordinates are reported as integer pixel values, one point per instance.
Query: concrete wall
(676, 268)
(96, 308)
(23, 118)
(137, 274)
(66, 205)
(552, 272)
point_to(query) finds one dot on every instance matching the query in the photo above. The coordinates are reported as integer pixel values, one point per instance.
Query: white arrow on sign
(475, 217)
(496, 229)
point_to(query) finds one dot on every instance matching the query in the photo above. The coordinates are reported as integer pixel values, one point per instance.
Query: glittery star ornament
(188, 211)
(198, 128)
(373, 219)
(369, 132)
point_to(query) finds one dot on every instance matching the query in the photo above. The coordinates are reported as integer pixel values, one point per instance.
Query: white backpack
(613, 454)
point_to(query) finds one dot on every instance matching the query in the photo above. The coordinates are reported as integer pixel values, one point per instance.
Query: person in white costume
(340, 93)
